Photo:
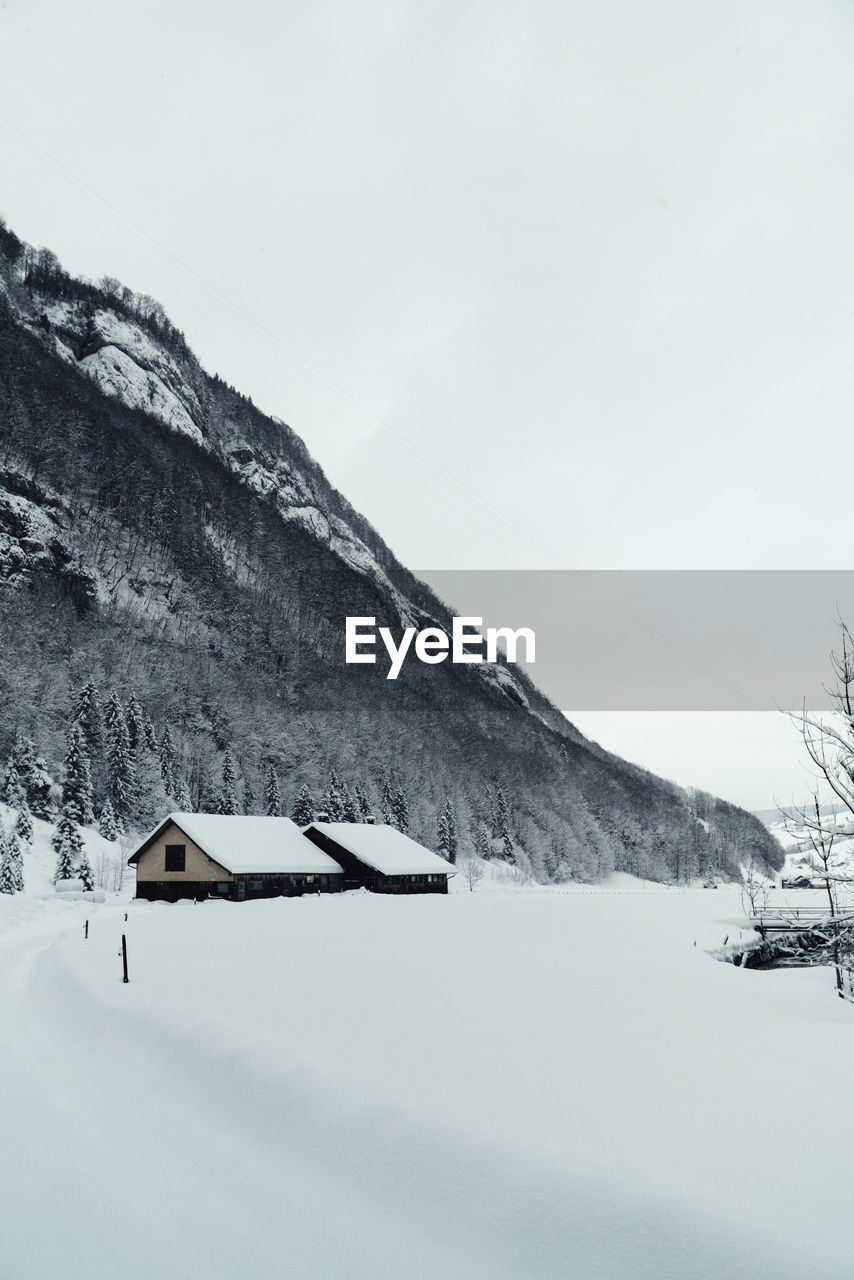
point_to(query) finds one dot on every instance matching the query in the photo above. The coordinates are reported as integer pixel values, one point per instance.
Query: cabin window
(256, 884)
(222, 888)
(309, 879)
(176, 857)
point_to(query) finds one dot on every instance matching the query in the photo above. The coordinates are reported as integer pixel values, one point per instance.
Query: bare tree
(102, 869)
(126, 848)
(472, 870)
(829, 743)
(109, 871)
(754, 889)
(820, 858)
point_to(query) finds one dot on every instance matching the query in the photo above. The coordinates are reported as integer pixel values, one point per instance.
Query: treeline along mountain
(169, 545)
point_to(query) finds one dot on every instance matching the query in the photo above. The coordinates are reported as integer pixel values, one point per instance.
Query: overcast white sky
(539, 284)
(755, 759)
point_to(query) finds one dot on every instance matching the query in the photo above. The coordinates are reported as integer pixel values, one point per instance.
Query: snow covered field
(530, 1083)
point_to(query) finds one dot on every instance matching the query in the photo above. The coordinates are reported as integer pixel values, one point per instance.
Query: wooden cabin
(207, 855)
(380, 858)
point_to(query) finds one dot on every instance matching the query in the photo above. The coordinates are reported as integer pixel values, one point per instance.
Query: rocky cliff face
(160, 533)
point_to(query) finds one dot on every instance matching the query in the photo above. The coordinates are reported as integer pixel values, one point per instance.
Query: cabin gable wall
(197, 865)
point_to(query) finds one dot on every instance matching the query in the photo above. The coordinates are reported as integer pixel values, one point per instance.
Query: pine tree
(362, 801)
(32, 774)
(250, 800)
(387, 800)
(68, 847)
(77, 787)
(16, 861)
(349, 804)
(107, 822)
(39, 786)
(167, 761)
(150, 800)
(24, 823)
(447, 831)
(56, 835)
(113, 715)
(183, 799)
(332, 798)
(135, 722)
(501, 814)
(83, 871)
(208, 794)
(7, 870)
(303, 812)
(11, 776)
(228, 793)
(401, 811)
(14, 792)
(331, 803)
(149, 737)
(501, 826)
(483, 847)
(272, 794)
(120, 766)
(87, 713)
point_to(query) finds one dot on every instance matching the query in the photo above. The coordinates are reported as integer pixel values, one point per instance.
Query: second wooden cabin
(380, 858)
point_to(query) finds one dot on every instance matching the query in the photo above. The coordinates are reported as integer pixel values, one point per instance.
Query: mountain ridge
(169, 515)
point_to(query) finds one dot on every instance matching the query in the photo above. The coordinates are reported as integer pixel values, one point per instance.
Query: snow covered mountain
(162, 536)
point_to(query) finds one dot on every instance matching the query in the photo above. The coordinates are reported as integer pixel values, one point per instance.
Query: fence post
(86, 929)
(124, 958)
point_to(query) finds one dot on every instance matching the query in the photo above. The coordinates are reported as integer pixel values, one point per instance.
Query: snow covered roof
(384, 848)
(246, 844)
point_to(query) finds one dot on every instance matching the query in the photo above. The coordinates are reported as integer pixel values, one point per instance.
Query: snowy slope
(488, 1085)
(106, 857)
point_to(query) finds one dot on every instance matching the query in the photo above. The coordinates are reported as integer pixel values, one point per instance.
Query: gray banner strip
(662, 640)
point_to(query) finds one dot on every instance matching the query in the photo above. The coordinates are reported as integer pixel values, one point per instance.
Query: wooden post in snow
(124, 958)
(86, 929)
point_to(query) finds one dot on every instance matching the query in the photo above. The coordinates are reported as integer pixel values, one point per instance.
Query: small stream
(789, 950)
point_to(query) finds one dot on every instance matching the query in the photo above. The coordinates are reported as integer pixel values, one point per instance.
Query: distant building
(206, 855)
(801, 882)
(380, 858)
